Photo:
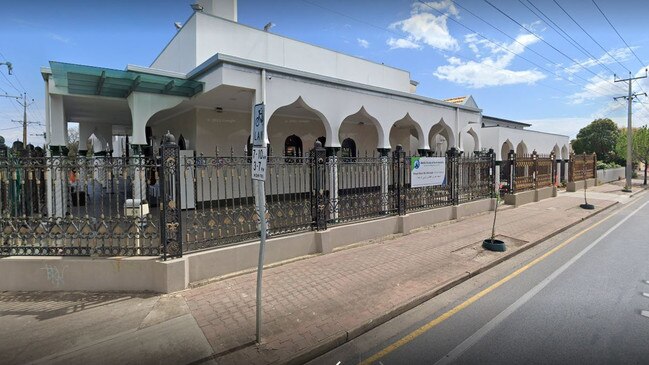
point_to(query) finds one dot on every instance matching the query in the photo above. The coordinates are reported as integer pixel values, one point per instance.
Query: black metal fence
(78, 206)
(178, 201)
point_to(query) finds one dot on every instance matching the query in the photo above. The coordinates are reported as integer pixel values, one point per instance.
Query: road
(576, 298)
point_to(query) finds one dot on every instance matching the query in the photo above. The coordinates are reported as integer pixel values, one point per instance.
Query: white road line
(484, 330)
(646, 294)
(645, 313)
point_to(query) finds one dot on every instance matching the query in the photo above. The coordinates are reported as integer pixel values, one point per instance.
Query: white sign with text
(427, 171)
(259, 159)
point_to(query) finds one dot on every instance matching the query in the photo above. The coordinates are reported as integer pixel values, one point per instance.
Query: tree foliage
(73, 140)
(640, 146)
(600, 136)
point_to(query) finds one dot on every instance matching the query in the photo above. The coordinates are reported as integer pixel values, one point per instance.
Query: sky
(550, 63)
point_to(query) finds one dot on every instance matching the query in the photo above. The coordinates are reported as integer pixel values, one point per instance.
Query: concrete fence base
(573, 186)
(530, 196)
(152, 274)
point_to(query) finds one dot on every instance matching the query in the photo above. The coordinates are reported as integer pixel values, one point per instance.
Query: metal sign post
(259, 160)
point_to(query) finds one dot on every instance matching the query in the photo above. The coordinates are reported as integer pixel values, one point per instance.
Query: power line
(544, 41)
(557, 29)
(9, 81)
(516, 40)
(578, 46)
(619, 35)
(467, 57)
(589, 36)
(514, 53)
(642, 64)
(502, 32)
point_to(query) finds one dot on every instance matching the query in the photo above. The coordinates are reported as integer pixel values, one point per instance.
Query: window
(348, 148)
(292, 147)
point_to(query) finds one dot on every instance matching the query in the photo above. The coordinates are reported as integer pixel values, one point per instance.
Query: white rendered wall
(207, 129)
(180, 53)
(204, 36)
(543, 143)
(184, 123)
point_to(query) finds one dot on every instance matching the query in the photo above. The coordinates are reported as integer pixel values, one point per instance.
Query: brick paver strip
(311, 301)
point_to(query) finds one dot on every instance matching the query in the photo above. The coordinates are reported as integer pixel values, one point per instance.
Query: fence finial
(168, 138)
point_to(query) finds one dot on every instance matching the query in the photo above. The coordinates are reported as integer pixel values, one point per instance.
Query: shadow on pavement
(47, 305)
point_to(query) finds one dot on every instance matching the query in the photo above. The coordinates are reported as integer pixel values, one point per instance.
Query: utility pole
(24, 122)
(629, 128)
(24, 103)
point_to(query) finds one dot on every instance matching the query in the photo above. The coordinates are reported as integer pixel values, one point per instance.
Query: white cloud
(491, 70)
(363, 43)
(424, 27)
(443, 5)
(619, 54)
(58, 38)
(600, 86)
(402, 43)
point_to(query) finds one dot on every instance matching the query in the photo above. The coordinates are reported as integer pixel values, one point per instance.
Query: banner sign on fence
(427, 171)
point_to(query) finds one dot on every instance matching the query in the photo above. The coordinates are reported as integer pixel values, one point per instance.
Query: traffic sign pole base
(587, 206)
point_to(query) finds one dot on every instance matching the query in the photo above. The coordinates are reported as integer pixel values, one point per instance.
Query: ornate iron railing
(524, 172)
(428, 197)
(581, 167)
(531, 171)
(360, 192)
(545, 170)
(476, 177)
(78, 206)
(217, 200)
(181, 202)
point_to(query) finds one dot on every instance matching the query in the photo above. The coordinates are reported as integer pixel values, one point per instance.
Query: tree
(600, 136)
(640, 146)
(73, 141)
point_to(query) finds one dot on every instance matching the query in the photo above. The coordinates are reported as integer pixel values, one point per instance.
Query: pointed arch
(521, 148)
(557, 152)
(297, 121)
(365, 130)
(565, 152)
(470, 141)
(408, 132)
(504, 149)
(446, 132)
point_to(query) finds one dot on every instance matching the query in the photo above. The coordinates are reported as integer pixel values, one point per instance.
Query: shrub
(601, 165)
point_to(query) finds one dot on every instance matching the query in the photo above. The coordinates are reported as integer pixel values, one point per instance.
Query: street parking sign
(258, 129)
(259, 159)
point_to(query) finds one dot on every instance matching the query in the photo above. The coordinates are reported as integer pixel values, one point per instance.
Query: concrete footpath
(310, 305)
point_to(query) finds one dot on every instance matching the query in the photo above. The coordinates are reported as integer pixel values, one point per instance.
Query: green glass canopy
(90, 80)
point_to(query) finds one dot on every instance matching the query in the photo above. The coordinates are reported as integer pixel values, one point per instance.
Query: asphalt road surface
(577, 298)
